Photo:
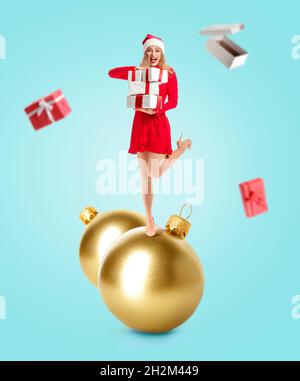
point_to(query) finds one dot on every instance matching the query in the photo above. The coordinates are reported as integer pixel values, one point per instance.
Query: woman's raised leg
(159, 164)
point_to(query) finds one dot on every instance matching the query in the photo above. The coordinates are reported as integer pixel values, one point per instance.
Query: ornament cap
(88, 214)
(178, 225)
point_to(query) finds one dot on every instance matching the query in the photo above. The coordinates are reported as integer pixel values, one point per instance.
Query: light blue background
(244, 123)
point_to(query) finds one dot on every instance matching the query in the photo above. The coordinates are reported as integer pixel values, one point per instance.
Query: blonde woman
(151, 133)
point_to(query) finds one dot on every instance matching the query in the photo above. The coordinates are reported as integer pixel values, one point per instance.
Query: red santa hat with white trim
(151, 40)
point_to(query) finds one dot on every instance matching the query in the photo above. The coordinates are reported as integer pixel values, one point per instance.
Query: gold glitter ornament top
(177, 225)
(88, 214)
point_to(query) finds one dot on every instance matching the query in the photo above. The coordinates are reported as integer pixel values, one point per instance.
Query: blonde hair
(162, 63)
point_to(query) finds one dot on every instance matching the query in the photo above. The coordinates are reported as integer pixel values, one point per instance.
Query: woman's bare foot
(150, 227)
(184, 144)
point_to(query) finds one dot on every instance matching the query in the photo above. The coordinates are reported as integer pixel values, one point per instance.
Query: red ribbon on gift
(147, 82)
(133, 75)
(160, 75)
(159, 102)
(139, 101)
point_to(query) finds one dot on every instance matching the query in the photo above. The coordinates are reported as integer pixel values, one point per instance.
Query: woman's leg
(159, 164)
(147, 191)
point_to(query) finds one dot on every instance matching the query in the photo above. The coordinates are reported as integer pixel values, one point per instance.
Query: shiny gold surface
(100, 233)
(152, 284)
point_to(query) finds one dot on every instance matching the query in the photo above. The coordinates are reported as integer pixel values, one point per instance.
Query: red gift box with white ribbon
(48, 110)
(144, 101)
(254, 197)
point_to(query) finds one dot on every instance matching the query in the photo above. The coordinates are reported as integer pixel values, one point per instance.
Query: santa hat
(153, 40)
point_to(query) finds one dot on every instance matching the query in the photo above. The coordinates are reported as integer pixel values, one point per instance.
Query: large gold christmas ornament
(101, 231)
(152, 284)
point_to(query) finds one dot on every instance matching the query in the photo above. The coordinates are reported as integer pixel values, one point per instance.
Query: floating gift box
(225, 50)
(152, 74)
(144, 101)
(48, 110)
(253, 196)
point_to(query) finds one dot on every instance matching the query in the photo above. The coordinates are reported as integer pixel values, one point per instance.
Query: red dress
(152, 132)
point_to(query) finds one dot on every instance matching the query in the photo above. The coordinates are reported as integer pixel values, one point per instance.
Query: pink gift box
(48, 110)
(253, 196)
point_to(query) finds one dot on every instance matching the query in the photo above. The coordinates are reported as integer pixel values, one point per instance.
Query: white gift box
(157, 75)
(224, 49)
(154, 75)
(136, 76)
(144, 101)
(135, 88)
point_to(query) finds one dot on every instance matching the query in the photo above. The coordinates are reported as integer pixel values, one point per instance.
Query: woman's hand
(149, 111)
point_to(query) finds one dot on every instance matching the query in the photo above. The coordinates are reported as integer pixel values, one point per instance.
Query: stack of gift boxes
(143, 87)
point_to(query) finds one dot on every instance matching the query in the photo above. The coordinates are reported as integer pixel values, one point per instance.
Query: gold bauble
(152, 284)
(101, 231)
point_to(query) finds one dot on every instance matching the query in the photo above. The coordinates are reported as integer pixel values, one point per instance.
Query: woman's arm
(120, 72)
(172, 95)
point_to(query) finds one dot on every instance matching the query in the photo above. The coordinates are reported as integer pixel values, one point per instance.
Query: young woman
(151, 133)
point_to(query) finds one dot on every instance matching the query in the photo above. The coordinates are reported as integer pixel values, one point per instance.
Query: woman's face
(153, 55)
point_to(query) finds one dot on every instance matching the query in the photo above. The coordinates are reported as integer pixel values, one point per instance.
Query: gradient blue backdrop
(244, 123)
